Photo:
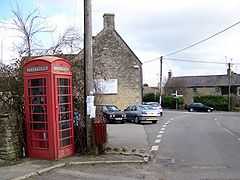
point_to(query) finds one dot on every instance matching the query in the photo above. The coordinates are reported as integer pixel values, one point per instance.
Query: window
(238, 91)
(194, 90)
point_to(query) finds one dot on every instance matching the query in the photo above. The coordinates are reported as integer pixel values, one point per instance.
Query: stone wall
(9, 137)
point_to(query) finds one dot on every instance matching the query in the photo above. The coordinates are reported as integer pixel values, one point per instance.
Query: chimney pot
(109, 21)
(169, 74)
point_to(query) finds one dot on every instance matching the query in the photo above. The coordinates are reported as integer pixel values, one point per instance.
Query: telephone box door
(64, 115)
(37, 120)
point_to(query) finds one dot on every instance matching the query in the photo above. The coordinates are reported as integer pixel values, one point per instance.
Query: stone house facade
(216, 85)
(113, 62)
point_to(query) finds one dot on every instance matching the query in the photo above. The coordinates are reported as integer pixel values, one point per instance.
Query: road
(185, 146)
(199, 146)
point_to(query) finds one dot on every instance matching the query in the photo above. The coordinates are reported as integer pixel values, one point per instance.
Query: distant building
(190, 86)
(117, 70)
(148, 90)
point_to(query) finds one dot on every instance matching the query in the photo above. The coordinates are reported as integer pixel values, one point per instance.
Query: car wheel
(191, 109)
(136, 120)
(154, 122)
(122, 122)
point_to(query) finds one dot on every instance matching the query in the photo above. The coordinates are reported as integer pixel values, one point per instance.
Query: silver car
(155, 105)
(141, 114)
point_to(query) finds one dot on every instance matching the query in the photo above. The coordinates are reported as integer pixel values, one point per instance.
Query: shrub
(151, 97)
(217, 102)
(167, 101)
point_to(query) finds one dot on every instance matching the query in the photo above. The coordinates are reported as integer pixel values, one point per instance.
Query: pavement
(123, 147)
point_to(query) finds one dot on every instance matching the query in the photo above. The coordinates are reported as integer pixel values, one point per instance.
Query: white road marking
(215, 119)
(157, 140)
(154, 148)
(159, 136)
(228, 131)
(161, 132)
(164, 125)
(162, 129)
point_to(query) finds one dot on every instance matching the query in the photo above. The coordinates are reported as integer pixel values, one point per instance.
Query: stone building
(117, 70)
(215, 85)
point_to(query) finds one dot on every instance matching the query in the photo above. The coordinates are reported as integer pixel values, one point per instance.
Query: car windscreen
(145, 107)
(112, 108)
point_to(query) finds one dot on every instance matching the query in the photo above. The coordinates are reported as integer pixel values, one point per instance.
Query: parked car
(155, 105)
(142, 113)
(112, 114)
(199, 107)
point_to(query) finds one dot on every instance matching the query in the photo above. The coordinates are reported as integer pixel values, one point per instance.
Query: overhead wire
(203, 40)
(194, 61)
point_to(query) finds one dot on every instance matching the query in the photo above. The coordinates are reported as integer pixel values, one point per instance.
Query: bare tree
(71, 40)
(28, 27)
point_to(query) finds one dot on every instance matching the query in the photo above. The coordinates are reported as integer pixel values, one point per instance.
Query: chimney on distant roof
(108, 21)
(169, 74)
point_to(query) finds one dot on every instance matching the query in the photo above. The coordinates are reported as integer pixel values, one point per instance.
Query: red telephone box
(48, 107)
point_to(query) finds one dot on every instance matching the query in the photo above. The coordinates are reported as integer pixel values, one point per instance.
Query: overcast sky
(151, 28)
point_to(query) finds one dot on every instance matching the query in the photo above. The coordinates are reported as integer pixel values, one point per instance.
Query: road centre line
(154, 148)
(161, 132)
(157, 141)
(159, 136)
(162, 129)
(164, 125)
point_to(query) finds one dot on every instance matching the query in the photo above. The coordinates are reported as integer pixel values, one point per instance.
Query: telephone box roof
(49, 59)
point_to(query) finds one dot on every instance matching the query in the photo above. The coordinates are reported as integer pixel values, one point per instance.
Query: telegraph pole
(229, 86)
(1, 61)
(160, 82)
(88, 72)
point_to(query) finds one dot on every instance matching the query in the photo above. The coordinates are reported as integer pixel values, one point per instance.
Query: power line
(194, 61)
(201, 41)
(191, 60)
(151, 60)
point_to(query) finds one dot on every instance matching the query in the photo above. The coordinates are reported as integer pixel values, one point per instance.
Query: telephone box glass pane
(38, 113)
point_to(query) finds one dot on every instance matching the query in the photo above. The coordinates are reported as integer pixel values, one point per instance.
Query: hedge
(167, 101)
(217, 102)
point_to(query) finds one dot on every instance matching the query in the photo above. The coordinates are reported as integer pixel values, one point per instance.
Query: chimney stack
(109, 21)
(169, 74)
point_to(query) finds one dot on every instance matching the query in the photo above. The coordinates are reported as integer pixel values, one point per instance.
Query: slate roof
(203, 81)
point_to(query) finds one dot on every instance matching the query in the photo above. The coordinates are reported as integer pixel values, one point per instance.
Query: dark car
(142, 113)
(112, 114)
(199, 107)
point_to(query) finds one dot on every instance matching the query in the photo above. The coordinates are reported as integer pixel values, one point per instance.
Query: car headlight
(111, 115)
